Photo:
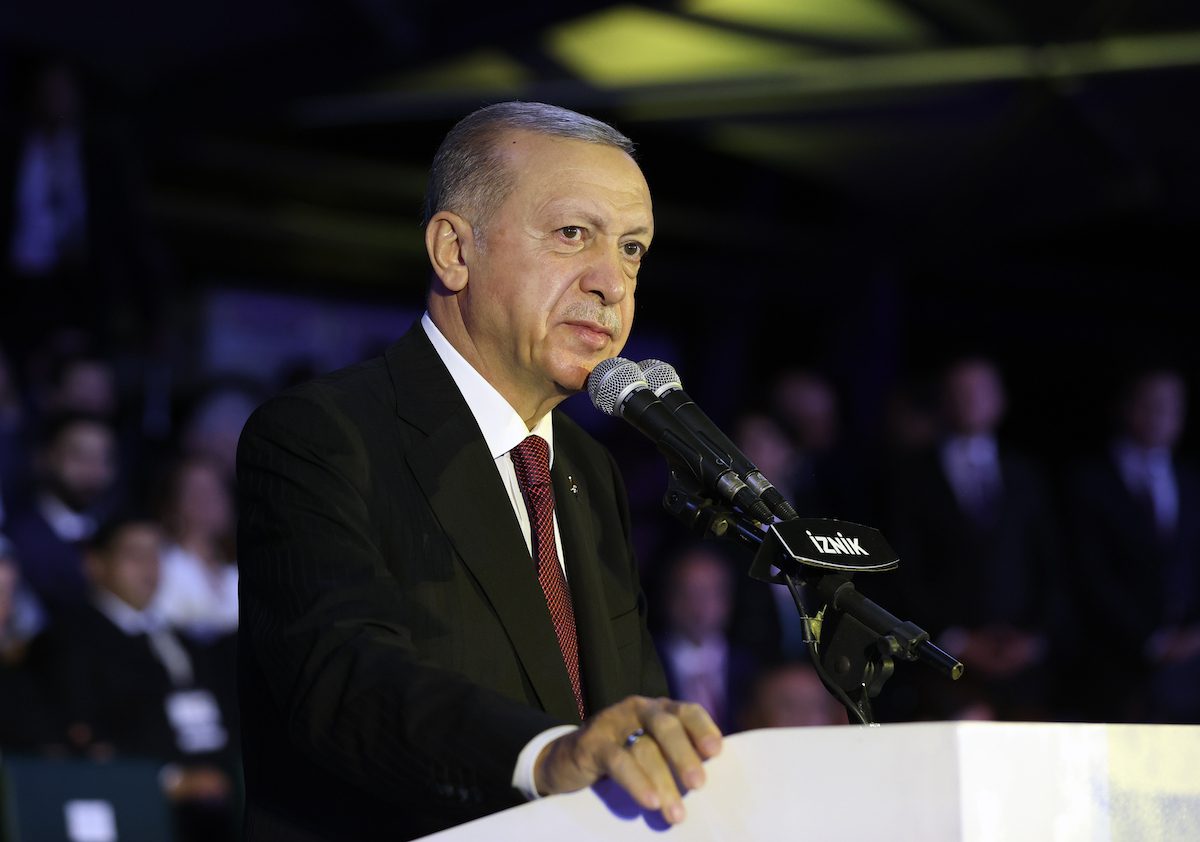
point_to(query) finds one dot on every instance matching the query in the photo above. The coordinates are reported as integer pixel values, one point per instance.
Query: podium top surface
(925, 782)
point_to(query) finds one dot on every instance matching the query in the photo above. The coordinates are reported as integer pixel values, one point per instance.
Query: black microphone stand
(853, 641)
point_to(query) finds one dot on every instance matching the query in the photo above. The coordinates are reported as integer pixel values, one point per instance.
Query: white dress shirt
(503, 429)
(1148, 471)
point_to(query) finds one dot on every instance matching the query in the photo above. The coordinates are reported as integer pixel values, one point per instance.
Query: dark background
(866, 188)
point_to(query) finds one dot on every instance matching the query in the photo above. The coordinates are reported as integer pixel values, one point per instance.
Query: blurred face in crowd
(793, 697)
(809, 406)
(87, 386)
(699, 602)
(974, 398)
(129, 567)
(201, 501)
(8, 590)
(766, 445)
(546, 291)
(56, 96)
(79, 463)
(1155, 412)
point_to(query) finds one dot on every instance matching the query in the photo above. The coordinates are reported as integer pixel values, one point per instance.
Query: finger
(649, 757)
(702, 731)
(675, 744)
(619, 764)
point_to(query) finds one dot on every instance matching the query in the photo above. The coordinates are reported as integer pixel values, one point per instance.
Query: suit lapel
(603, 681)
(459, 479)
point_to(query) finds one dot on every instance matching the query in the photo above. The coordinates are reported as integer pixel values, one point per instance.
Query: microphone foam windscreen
(610, 380)
(661, 376)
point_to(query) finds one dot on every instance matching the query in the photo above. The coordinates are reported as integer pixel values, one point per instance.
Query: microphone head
(610, 383)
(661, 376)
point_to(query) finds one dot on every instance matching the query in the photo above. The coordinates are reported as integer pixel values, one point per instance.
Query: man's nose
(606, 276)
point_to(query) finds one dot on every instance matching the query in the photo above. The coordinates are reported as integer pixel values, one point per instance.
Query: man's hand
(677, 738)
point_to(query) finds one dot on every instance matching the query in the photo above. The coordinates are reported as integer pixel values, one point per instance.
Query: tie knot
(531, 460)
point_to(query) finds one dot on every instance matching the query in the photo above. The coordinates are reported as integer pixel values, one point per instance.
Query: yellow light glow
(481, 70)
(869, 20)
(631, 45)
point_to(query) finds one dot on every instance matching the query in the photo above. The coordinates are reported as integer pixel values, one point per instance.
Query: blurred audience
(25, 722)
(75, 248)
(129, 685)
(1137, 563)
(765, 619)
(973, 524)
(198, 591)
(14, 460)
(826, 479)
(791, 695)
(701, 664)
(74, 471)
(215, 420)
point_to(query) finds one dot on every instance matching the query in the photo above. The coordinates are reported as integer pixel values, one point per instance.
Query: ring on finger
(634, 736)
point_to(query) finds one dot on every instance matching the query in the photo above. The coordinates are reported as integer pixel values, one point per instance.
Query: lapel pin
(574, 489)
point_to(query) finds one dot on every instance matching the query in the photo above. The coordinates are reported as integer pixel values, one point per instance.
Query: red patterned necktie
(531, 459)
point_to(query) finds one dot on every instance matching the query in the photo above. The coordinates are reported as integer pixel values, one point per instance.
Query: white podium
(920, 782)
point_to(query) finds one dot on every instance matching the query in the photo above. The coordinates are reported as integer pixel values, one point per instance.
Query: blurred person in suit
(24, 722)
(701, 663)
(440, 607)
(197, 593)
(75, 470)
(1136, 562)
(765, 620)
(126, 684)
(14, 433)
(979, 549)
(826, 479)
(75, 247)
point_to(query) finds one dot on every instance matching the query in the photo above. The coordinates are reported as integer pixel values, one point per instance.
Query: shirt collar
(68, 525)
(1136, 462)
(975, 450)
(502, 428)
(124, 616)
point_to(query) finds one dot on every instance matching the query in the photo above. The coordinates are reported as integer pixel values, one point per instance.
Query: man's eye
(571, 232)
(634, 249)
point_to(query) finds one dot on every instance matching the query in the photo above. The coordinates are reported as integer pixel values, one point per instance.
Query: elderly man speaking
(441, 613)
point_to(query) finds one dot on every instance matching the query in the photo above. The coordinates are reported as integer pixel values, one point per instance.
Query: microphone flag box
(821, 544)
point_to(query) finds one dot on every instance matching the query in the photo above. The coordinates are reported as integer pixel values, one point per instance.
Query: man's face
(1154, 417)
(700, 600)
(974, 398)
(80, 465)
(550, 287)
(129, 568)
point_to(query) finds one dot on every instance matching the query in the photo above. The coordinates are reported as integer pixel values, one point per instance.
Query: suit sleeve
(322, 626)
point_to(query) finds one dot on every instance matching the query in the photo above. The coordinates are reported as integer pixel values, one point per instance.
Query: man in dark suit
(1137, 564)
(429, 610)
(971, 520)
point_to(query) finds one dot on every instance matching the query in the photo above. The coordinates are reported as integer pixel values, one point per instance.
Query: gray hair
(469, 175)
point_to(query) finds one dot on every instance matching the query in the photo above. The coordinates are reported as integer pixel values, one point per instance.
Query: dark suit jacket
(955, 571)
(97, 674)
(1129, 582)
(52, 567)
(396, 650)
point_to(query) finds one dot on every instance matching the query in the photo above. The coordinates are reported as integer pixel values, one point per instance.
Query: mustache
(608, 317)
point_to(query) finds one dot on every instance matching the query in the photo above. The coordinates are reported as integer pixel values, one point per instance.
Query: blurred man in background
(971, 520)
(123, 682)
(1137, 563)
(701, 664)
(75, 469)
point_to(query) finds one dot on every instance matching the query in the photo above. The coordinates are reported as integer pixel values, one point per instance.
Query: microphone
(616, 387)
(664, 382)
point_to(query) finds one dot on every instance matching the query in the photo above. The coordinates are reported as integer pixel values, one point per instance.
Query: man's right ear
(449, 241)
